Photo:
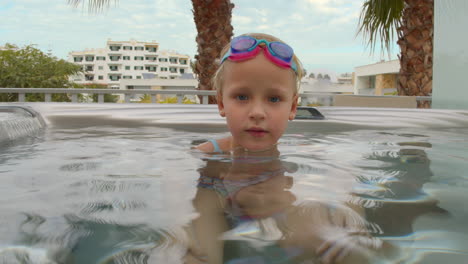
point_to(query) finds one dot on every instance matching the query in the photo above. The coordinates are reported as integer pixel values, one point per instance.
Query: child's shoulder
(215, 146)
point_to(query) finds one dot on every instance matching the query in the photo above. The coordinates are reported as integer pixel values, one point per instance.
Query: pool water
(87, 191)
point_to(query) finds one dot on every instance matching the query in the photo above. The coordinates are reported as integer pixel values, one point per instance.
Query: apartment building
(128, 60)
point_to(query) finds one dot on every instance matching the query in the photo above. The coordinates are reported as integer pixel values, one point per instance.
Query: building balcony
(151, 63)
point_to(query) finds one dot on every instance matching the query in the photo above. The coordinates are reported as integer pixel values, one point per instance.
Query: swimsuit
(216, 148)
(238, 251)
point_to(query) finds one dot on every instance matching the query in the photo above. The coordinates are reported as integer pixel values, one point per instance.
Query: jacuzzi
(115, 183)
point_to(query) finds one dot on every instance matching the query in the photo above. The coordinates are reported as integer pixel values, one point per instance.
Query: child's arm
(334, 234)
(347, 240)
(207, 228)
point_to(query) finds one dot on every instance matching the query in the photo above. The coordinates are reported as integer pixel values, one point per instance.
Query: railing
(325, 99)
(101, 92)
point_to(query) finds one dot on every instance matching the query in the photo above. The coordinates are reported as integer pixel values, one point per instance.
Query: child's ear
(219, 100)
(292, 113)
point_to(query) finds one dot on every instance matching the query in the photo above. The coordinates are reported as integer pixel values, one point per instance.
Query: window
(173, 70)
(138, 77)
(372, 82)
(139, 48)
(127, 77)
(151, 68)
(114, 58)
(150, 58)
(89, 68)
(114, 48)
(77, 59)
(100, 58)
(127, 67)
(114, 77)
(162, 59)
(139, 58)
(89, 77)
(127, 47)
(184, 62)
(113, 68)
(89, 58)
(163, 69)
(138, 68)
(182, 71)
(151, 49)
(173, 60)
(126, 57)
(100, 67)
(100, 77)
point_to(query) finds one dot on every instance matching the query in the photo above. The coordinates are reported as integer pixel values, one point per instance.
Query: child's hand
(338, 247)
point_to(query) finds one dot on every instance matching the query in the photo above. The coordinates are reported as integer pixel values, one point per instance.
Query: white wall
(449, 90)
(362, 73)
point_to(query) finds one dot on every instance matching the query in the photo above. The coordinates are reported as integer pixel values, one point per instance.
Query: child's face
(258, 98)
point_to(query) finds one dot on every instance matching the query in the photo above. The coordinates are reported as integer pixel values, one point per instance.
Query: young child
(248, 213)
(257, 87)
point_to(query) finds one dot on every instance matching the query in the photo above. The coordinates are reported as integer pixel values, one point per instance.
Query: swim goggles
(247, 47)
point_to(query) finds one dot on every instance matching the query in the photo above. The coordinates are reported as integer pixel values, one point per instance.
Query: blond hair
(217, 79)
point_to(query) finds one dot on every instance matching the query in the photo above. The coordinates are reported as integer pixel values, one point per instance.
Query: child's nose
(257, 112)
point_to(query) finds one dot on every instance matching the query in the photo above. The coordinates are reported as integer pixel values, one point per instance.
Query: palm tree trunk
(213, 23)
(416, 36)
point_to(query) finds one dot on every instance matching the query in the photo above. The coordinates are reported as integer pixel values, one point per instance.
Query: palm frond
(378, 22)
(93, 5)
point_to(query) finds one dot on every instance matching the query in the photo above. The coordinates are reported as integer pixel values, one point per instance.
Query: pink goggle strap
(251, 54)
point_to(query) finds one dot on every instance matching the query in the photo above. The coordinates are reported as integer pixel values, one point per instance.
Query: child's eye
(242, 97)
(274, 99)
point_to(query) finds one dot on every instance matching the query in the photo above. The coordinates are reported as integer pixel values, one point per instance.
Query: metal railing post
(48, 97)
(153, 98)
(21, 97)
(100, 98)
(180, 98)
(74, 98)
(303, 98)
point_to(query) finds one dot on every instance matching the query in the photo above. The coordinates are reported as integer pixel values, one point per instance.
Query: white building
(324, 89)
(377, 79)
(345, 78)
(128, 60)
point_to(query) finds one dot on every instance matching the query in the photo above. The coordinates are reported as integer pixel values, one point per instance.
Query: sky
(321, 32)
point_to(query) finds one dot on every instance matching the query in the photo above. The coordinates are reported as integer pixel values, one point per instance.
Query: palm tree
(213, 22)
(413, 21)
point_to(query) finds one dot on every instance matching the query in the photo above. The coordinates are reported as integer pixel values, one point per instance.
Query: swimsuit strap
(216, 147)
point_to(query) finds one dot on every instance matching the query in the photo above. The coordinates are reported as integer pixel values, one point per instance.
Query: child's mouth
(256, 132)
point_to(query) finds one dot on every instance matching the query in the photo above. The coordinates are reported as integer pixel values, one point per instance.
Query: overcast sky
(322, 32)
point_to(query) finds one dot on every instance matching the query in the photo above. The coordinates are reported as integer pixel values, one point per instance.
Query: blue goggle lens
(242, 43)
(282, 50)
